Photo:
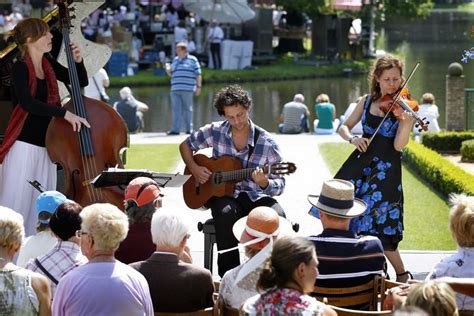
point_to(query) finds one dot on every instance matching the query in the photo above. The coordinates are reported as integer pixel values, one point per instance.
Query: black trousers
(216, 55)
(226, 211)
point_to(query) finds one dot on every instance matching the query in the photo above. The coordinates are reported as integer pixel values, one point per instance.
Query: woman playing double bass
(36, 100)
(375, 166)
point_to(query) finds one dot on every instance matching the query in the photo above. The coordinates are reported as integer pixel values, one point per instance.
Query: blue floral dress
(377, 178)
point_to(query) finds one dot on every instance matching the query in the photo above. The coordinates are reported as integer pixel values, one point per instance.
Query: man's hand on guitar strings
(260, 178)
(202, 174)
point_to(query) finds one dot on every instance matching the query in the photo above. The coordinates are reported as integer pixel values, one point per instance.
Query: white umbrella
(222, 11)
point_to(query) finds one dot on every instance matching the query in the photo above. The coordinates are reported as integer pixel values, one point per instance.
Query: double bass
(86, 154)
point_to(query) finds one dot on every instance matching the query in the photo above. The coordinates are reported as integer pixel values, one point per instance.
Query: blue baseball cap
(48, 201)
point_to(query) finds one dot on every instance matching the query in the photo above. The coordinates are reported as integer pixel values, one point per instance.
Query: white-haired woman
(22, 292)
(131, 110)
(167, 275)
(104, 286)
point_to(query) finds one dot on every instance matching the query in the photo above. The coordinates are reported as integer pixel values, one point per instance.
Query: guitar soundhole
(217, 178)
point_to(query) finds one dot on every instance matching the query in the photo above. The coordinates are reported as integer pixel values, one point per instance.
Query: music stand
(117, 176)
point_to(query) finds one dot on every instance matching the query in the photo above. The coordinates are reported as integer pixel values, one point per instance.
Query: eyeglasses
(80, 233)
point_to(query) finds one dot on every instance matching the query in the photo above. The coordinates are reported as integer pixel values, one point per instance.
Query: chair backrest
(361, 295)
(225, 310)
(202, 312)
(351, 312)
(385, 285)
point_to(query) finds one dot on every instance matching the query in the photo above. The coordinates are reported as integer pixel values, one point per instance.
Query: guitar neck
(238, 175)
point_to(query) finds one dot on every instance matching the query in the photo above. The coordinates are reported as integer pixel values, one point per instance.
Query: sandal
(407, 273)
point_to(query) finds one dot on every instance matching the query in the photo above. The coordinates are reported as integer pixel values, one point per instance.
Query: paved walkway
(311, 172)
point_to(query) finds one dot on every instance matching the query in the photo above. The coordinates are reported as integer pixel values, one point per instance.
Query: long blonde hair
(32, 28)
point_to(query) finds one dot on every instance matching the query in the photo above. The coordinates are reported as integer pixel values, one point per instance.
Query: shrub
(436, 170)
(446, 142)
(467, 150)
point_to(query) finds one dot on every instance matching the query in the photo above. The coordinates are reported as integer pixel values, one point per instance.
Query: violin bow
(390, 108)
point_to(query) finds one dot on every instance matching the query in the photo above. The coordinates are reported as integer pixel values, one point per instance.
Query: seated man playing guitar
(253, 147)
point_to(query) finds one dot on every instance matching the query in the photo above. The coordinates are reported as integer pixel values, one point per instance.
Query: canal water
(436, 42)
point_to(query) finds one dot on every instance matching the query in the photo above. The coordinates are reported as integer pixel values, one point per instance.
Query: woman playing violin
(36, 100)
(375, 166)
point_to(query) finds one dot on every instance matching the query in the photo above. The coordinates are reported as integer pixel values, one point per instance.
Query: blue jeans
(182, 103)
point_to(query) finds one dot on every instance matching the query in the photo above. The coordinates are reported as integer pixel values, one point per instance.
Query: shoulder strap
(256, 135)
(40, 266)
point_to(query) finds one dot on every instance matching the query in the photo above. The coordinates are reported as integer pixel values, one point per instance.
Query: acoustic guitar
(226, 172)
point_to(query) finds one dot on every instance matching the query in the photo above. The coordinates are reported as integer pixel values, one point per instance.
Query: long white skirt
(25, 162)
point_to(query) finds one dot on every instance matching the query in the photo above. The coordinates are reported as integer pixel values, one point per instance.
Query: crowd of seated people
(81, 273)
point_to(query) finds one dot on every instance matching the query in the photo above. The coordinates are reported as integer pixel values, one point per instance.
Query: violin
(400, 102)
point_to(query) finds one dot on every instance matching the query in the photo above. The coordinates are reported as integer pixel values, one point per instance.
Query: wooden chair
(385, 285)
(365, 294)
(351, 312)
(210, 311)
(465, 313)
(225, 310)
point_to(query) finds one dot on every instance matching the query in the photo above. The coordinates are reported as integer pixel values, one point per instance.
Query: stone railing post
(455, 98)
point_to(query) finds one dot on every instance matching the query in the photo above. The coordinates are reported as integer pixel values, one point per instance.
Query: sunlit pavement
(311, 172)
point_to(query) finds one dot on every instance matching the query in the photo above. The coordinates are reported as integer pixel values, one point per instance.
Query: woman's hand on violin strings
(361, 143)
(76, 53)
(76, 121)
(407, 117)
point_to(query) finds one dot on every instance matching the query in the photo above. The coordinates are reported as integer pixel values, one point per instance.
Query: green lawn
(156, 157)
(426, 211)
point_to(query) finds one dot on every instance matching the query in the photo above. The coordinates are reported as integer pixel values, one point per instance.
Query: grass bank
(283, 70)
(426, 211)
(156, 157)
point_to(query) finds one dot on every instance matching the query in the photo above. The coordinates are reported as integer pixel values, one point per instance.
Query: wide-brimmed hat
(142, 190)
(262, 222)
(337, 199)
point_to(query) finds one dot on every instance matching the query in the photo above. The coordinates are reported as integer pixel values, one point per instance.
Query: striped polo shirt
(184, 72)
(346, 259)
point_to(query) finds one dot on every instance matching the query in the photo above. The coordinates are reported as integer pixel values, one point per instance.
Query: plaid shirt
(64, 257)
(218, 135)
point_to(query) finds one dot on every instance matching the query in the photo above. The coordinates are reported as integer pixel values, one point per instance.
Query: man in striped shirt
(345, 259)
(186, 80)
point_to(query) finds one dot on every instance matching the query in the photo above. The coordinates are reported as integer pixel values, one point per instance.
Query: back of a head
(461, 219)
(288, 252)
(322, 98)
(125, 93)
(140, 198)
(409, 311)
(298, 98)
(12, 231)
(435, 298)
(168, 227)
(106, 223)
(66, 220)
(428, 98)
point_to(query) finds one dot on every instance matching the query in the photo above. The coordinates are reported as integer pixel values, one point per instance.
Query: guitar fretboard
(235, 175)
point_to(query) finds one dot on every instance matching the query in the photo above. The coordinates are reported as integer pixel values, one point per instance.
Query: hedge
(446, 142)
(436, 170)
(467, 150)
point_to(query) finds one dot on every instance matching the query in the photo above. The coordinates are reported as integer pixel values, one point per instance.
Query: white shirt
(180, 34)
(430, 111)
(91, 91)
(235, 295)
(459, 265)
(215, 35)
(35, 246)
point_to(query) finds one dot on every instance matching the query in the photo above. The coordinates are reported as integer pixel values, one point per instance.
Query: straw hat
(337, 199)
(261, 221)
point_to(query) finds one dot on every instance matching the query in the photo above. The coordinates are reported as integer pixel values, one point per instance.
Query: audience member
(429, 110)
(103, 286)
(131, 110)
(169, 279)
(357, 129)
(66, 254)
(191, 44)
(326, 121)
(97, 85)
(409, 311)
(287, 276)
(461, 264)
(215, 36)
(44, 240)
(435, 298)
(22, 292)
(345, 259)
(180, 33)
(294, 117)
(256, 233)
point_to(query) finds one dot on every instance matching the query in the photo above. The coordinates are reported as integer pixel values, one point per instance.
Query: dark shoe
(172, 133)
(404, 276)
